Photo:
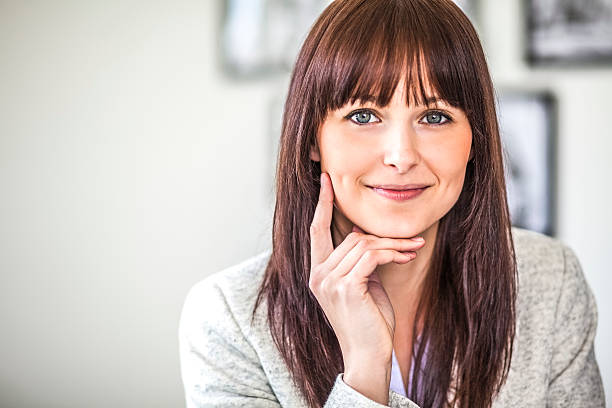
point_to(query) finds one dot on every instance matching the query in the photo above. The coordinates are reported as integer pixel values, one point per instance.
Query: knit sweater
(227, 362)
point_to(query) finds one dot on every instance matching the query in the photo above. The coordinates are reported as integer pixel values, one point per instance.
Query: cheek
(343, 159)
(448, 159)
(346, 163)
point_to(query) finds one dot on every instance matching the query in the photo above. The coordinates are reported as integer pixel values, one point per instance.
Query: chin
(396, 231)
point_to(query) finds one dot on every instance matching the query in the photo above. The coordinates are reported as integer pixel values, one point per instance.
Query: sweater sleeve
(219, 367)
(343, 396)
(575, 380)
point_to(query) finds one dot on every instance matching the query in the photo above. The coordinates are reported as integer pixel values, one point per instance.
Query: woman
(390, 135)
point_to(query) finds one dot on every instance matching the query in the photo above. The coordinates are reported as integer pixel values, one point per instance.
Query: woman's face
(362, 146)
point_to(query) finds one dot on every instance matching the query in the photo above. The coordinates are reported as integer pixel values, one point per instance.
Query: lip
(398, 195)
(400, 186)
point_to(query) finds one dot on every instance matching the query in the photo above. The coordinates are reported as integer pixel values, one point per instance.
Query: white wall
(130, 168)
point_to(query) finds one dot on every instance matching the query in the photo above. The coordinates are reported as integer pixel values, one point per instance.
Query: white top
(397, 382)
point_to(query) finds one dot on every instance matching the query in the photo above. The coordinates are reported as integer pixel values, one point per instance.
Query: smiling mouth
(397, 194)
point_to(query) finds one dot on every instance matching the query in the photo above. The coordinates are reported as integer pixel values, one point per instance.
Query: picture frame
(568, 32)
(528, 129)
(259, 38)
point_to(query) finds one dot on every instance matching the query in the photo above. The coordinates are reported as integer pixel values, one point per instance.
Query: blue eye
(366, 116)
(436, 118)
(363, 117)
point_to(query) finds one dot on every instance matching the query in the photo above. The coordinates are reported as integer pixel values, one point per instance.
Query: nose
(401, 149)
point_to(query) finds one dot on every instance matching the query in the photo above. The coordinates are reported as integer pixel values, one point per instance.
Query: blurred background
(137, 149)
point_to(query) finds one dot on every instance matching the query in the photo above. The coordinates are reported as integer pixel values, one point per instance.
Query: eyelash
(439, 112)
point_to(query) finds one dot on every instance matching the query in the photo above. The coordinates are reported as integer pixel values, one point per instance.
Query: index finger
(321, 244)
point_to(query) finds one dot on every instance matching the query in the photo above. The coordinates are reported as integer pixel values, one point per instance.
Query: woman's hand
(349, 290)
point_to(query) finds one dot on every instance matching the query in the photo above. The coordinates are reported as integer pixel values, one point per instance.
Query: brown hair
(357, 49)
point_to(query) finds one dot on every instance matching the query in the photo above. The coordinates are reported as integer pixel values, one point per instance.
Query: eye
(436, 118)
(362, 117)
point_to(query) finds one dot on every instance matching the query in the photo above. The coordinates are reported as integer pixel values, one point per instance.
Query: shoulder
(543, 262)
(239, 279)
(236, 285)
(228, 292)
(221, 357)
(534, 249)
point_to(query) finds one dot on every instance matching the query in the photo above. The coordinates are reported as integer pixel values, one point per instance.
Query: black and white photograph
(261, 37)
(569, 31)
(527, 121)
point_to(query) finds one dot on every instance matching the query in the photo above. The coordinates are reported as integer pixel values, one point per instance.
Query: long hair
(357, 49)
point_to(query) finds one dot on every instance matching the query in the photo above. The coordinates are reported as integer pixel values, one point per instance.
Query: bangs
(373, 47)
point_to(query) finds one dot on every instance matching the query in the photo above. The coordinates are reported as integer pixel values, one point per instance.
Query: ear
(315, 155)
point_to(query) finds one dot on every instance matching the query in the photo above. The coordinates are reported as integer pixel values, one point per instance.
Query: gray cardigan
(226, 362)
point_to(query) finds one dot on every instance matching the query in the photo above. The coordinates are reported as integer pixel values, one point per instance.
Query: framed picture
(528, 131)
(568, 31)
(261, 37)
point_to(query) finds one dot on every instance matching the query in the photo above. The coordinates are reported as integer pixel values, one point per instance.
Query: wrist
(370, 380)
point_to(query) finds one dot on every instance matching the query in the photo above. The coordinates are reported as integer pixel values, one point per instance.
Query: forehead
(410, 89)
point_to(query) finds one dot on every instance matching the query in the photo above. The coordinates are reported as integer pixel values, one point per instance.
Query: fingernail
(418, 239)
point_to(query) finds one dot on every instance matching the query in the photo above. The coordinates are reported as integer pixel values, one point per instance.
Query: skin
(359, 239)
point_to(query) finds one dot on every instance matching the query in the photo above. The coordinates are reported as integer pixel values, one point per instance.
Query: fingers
(376, 251)
(369, 242)
(368, 262)
(321, 244)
